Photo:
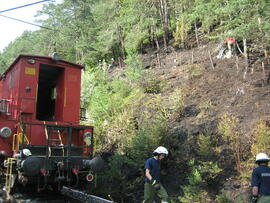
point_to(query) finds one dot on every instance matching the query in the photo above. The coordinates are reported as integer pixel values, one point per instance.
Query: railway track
(82, 196)
(46, 197)
(66, 195)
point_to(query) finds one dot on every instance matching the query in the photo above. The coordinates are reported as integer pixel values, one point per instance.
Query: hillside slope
(210, 93)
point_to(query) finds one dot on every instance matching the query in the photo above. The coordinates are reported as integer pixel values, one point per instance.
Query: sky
(11, 29)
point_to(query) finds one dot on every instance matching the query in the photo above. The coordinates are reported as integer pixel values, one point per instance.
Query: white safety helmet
(261, 157)
(27, 152)
(161, 150)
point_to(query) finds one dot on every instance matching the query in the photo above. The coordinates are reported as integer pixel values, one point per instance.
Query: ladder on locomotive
(52, 142)
(9, 176)
(17, 140)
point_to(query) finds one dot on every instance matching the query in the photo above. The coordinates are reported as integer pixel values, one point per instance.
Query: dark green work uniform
(150, 190)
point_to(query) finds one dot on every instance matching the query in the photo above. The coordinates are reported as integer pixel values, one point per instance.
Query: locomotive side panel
(8, 108)
(61, 97)
(28, 88)
(72, 85)
(11, 82)
(7, 136)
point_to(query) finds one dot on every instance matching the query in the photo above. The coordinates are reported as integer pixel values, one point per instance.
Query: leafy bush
(194, 192)
(134, 70)
(106, 99)
(222, 198)
(152, 86)
(204, 170)
(229, 127)
(261, 142)
(181, 32)
(204, 145)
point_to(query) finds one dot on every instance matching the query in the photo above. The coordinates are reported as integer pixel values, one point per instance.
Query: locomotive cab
(40, 112)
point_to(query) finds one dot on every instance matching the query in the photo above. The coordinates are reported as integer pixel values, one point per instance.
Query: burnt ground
(209, 92)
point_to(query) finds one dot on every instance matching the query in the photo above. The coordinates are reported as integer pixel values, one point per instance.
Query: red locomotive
(41, 139)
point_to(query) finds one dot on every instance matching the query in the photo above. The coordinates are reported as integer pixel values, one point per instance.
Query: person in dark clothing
(152, 184)
(260, 181)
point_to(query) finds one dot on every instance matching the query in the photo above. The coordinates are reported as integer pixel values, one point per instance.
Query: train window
(48, 82)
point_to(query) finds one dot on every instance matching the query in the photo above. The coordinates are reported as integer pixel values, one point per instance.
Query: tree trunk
(237, 64)
(153, 36)
(266, 56)
(156, 38)
(120, 62)
(196, 34)
(229, 54)
(182, 34)
(150, 38)
(157, 44)
(182, 22)
(158, 49)
(158, 60)
(245, 53)
(265, 50)
(164, 18)
(211, 60)
(76, 51)
(263, 73)
(122, 43)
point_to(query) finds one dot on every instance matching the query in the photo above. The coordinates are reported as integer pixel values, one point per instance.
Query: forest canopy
(86, 31)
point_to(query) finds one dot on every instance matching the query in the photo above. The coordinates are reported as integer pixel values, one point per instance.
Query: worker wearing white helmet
(261, 180)
(26, 152)
(152, 184)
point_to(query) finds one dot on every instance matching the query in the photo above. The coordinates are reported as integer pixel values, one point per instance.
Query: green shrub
(153, 86)
(176, 100)
(261, 142)
(194, 191)
(222, 198)
(229, 127)
(181, 32)
(204, 145)
(142, 146)
(134, 70)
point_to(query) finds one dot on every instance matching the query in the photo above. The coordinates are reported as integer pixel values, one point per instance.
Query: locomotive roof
(40, 57)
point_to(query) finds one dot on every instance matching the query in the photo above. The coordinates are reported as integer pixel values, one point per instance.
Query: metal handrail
(17, 141)
(56, 128)
(8, 183)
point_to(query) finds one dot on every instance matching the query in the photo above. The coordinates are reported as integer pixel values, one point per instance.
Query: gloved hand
(157, 186)
(155, 183)
(254, 198)
(152, 182)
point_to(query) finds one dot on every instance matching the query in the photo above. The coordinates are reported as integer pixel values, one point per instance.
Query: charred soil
(209, 91)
